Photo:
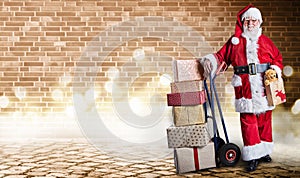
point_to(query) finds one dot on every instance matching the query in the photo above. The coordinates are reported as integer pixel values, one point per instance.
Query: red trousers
(256, 128)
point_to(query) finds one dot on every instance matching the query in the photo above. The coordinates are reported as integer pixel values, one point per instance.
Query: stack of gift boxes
(191, 133)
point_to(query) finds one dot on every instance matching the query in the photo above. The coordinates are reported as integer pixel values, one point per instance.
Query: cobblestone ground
(77, 158)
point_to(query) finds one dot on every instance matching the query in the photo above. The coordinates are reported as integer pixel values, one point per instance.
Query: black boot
(252, 165)
(266, 159)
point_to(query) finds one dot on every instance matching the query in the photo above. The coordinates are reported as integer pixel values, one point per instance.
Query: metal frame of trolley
(227, 153)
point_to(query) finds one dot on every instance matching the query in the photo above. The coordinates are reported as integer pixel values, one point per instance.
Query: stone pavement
(78, 158)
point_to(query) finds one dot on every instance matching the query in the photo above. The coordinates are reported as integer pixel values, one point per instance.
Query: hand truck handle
(220, 69)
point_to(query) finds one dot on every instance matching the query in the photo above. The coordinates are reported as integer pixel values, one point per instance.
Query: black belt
(251, 69)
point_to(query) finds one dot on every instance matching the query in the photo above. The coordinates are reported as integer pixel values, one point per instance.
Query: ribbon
(196, 159)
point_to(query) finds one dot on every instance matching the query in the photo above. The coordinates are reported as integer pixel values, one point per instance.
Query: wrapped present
(186, 99)
(194, 159)
(188, 115)
(186, 86)
(190, 136)
(275, 92)
(185, 70)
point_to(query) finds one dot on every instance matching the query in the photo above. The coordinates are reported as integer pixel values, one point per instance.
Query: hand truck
(227, 154)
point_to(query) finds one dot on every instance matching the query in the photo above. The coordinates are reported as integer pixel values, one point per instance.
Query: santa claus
(250, 53)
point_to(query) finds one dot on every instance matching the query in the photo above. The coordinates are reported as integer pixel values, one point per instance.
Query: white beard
(253, 34)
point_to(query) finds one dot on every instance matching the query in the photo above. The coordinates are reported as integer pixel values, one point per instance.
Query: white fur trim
(213, 61)
(235, 40)
(277, 69)
(252, 13)
(260, 103)
(257, 151)
(251, 51)
(252, 36)
(236, 81)
(243, 105)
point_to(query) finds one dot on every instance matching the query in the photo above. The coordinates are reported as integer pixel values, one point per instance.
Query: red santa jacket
(237, 51)
(235, 54)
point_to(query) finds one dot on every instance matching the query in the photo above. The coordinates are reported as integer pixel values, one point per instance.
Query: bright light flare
(165, 79)
(139, 107)
(66, 79)
(113, 73)
(57, 94)
(288, 71)
(4, 101)
(296, 107)
(20, 92)
(109, 86)
(70, 111)
(138, 54)
(89, 96)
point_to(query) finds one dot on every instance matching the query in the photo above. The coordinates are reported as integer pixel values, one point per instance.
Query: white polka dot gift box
(190, 136)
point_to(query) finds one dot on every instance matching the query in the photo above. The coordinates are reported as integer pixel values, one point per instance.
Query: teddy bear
(270, 76)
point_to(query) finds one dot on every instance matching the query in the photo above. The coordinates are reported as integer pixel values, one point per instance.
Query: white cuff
(257, 151)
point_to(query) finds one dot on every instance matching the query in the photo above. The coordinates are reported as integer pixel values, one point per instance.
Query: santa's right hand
(207, 66)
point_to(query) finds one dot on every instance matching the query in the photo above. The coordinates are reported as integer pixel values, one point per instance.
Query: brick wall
(55, 53)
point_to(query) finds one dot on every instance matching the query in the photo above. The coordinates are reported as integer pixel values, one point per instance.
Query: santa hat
(248, 11)
(252, 13)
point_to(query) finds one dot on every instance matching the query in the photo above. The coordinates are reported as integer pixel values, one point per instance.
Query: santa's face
(251, 24)
(251, 27)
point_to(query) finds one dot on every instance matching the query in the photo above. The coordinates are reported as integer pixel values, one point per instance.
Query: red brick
(48, 14)
(31, 32)
(13, 3)
(26, 79)
(66, 14)
(34, 3)
(174, 3)
(24, 44)
(55, 33)
(24, 84)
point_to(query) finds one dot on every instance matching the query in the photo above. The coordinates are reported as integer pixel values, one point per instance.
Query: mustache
(250, 26)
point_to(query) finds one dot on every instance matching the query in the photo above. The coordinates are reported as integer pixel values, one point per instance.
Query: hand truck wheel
(229, 154)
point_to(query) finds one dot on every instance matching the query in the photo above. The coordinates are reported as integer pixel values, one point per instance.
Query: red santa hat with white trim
(247, 12)
(253, 13)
